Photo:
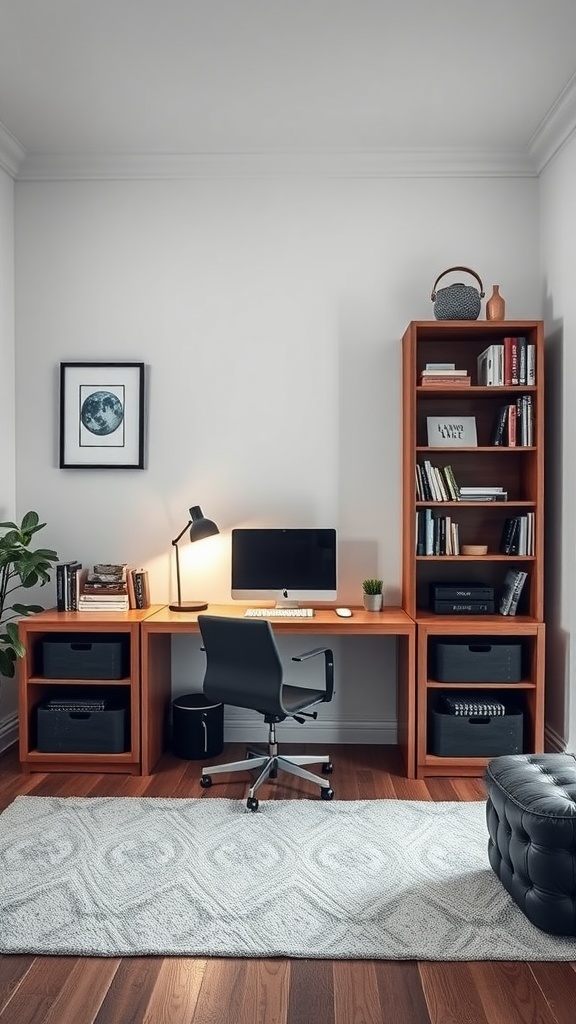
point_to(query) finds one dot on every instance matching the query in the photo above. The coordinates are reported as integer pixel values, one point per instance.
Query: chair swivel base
(270, 764)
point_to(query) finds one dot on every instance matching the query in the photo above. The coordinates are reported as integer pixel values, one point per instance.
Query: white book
(440, 367)
(481, 490)
(486, 367)
(531, 364)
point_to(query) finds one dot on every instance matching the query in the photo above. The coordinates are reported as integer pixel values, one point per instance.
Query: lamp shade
(199, 527)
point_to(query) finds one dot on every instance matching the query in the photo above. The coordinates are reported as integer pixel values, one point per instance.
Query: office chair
(243, 668)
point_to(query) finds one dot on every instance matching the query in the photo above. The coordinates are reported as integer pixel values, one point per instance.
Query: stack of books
(114, 588)
(444, 375)
(105, 589)
(483, 494)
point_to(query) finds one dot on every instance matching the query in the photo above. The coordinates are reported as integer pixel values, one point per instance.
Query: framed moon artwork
(101, 415)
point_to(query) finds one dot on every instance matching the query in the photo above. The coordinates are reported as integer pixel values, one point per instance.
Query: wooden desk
(156, 675)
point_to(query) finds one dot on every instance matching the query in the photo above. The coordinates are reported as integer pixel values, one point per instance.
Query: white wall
(7, 398)
(269, 314)
(558, 229)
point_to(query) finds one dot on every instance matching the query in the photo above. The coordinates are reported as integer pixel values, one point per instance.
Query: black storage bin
(85, 656)
(482, 736)
(197, 727)
(75, 729)
(477, 660)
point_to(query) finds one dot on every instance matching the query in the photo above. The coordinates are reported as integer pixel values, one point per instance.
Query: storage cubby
(81, 655)
(525, 693)
(519, 471)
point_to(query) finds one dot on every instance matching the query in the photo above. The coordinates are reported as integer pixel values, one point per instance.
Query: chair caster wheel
(206, 781)
(252, 803)
(327, 794)
(328, 768)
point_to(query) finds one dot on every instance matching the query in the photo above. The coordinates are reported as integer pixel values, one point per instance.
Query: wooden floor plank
(557, 983)
(83, 992)
(356, 993)
(451, 994)
(509, 995)
(175, 994)
(37, 991)
(13, 970)
(130, 991)
(311, 999)
(401, 996)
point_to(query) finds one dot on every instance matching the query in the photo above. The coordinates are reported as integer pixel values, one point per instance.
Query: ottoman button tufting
(531, 818)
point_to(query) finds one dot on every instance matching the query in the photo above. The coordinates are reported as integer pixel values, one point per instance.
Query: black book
(63, 585)
(499, 432)
(461, 592)
(464, 607)
(510, 535)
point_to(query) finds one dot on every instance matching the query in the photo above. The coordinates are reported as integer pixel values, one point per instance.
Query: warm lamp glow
(200, 528)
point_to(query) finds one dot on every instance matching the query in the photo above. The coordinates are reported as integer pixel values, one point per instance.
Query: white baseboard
(8, 731)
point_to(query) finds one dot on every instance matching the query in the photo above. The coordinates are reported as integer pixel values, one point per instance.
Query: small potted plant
(372, 595)
(20, 566)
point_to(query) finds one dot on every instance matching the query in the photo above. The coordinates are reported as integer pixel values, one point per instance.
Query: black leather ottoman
(531, 817)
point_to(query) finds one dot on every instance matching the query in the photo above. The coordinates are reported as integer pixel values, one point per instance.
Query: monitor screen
(284, 565)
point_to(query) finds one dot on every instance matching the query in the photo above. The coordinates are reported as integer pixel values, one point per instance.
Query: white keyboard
(279, 613)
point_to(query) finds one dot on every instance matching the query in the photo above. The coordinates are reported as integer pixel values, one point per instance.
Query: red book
(511, 361)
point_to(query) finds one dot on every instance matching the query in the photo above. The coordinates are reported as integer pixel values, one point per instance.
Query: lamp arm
(182, 532)
(177, 551)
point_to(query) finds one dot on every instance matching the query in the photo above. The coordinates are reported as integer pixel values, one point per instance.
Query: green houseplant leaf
(20, 567)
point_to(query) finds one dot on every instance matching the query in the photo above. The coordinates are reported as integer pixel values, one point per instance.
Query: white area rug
(382, 879)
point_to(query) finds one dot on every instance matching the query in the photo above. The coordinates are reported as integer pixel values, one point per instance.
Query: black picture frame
(102, 415)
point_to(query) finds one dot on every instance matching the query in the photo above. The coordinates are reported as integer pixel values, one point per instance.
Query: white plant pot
(373, 602)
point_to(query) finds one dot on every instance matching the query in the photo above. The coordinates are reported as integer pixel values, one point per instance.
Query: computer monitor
(288, 566)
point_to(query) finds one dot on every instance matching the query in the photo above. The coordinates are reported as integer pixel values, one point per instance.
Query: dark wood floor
(180, 990)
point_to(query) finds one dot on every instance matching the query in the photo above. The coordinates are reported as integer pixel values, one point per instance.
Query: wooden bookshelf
(519, 470)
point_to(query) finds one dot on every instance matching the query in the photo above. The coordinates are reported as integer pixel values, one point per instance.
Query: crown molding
(421, 163)
(12, 153)
(556, 129)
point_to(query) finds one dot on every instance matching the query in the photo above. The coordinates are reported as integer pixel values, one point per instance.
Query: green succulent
(372, 586)
(19, 567)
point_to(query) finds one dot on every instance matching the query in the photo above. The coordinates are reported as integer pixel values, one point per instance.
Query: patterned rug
(385, 879)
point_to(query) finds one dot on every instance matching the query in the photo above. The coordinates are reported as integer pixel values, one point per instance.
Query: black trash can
(197, 727)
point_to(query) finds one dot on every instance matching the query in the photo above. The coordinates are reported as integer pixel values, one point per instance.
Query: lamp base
(189, 606)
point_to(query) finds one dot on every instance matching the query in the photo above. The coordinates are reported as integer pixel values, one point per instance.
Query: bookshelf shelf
(519, 470)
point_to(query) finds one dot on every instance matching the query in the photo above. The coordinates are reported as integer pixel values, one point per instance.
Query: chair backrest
(243, 666)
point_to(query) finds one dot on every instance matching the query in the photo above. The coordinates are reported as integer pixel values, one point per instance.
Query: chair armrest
(328, 667)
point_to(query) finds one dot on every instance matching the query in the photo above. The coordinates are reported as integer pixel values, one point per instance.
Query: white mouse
(344, 613)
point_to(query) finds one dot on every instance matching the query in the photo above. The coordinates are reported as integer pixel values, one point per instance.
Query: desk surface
(388, 622)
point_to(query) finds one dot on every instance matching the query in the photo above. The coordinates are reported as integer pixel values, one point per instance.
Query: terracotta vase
(495, 306)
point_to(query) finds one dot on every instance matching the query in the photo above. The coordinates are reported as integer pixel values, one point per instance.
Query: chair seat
(296, 698)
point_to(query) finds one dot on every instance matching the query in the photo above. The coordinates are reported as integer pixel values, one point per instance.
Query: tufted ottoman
(531, 817)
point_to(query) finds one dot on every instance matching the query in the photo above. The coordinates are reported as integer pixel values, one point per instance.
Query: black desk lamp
(199, 529)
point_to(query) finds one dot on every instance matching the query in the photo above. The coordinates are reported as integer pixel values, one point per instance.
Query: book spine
(60, 588)
(500, 426)
(531, 365)
(446, 593)
(141, 588)
(464, 607)
(522, 361)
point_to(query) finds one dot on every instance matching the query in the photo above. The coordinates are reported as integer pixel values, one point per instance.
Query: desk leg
(156, 694)
(406, 701)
